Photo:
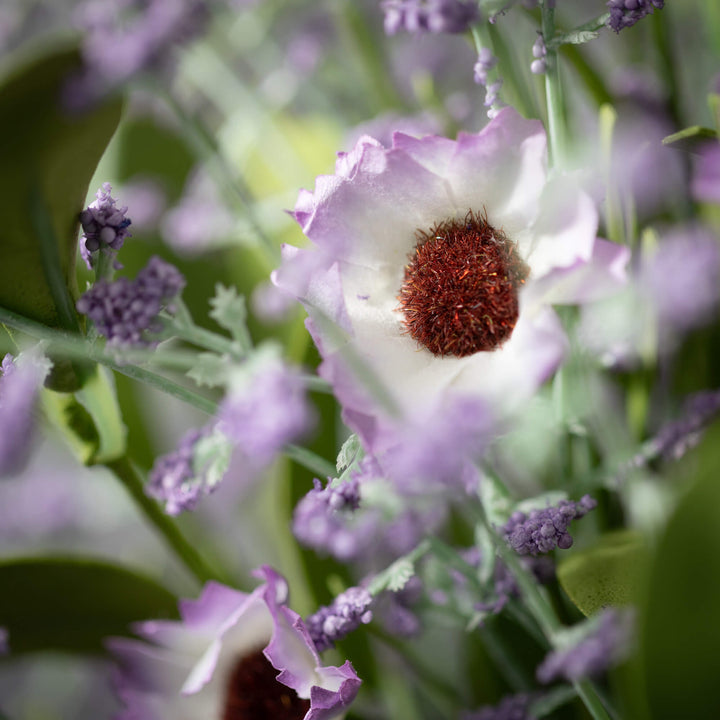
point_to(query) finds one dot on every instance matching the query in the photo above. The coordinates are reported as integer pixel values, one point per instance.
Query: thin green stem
(308, 459)
(592, 81)
(124, 471)
(553, 90)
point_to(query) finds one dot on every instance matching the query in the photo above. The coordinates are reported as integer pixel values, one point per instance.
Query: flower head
(435, 16)
(502, 242)
(104, 225)
(625, 13)
(541, 531)
(333, 622)
(233, 656)
(126, 311)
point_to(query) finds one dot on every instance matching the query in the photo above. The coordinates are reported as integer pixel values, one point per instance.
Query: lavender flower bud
(347, 612)
(625, 13)
(542, 531)
(104, 226)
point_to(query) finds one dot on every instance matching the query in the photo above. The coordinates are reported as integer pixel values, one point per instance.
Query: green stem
(311, 461)
(207, 340)
(193, 561)
(592, 81)
(553, 90)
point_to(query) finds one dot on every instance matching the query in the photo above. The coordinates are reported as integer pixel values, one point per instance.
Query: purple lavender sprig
(105, 227)
(126, 312)
(608, 644)
(541, 531)
(434, 16)
(625, 13)
(346, 613)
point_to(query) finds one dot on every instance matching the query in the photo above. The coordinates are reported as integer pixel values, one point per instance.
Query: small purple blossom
(126, 311)
(541, 531)
(485, 63)
(539, 51)
(265, 409)
(511, 707)
(434, 16)
(608, 643)
(104, 225)
(625, 13)
(20, 383)
(230, 649)
(183, 476)
(333, 622)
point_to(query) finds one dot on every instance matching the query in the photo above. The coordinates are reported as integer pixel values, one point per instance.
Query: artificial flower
(233, 656)
(434, 268)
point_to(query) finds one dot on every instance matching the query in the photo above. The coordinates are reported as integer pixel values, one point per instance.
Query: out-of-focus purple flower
(4, 646)
(126, 311)
(123, 39)
(625, 13)
(180, 478)
(147, 199)
(511, 707)
(394, 609)
(431, 197)
(346, 613)
(541, 531)
(682, 279)
(233, 654)
(20, 383)
(104, 225)
(675, 438)
(539, 51)
(706, 180)
(608, 643)
(435, 16)
(265, 408)
(199, 221)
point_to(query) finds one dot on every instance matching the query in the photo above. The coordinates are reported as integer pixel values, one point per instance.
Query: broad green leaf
(48, 158)
(680, 633)
(74, 604)
(608, 574)
(90, 420)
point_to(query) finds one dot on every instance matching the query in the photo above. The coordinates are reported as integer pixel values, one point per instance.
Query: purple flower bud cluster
(347, 612)
(625, 13)
(511, 707)
(319, 518)
(126, 311)
(267, 412)
(485, 63)
(435, 16)
(104, 225)
(541, 531)
(174, 479)
(539, 51)
(20, 383)
(609, 644)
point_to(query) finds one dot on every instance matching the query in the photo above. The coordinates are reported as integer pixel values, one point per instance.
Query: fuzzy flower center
(253, 693)
(460, 292)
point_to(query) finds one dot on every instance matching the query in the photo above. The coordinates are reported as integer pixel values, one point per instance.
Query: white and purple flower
(437, 262)
(234, 656)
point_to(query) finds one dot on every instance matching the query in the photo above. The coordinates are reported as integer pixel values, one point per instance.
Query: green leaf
(348, 452)
(608, 574)
(74, 604)
(690, 139)
(48, 159)
(90, 420)
(210, 370)
(229, 310)
(680, 633)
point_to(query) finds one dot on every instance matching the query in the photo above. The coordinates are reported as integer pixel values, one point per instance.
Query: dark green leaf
(74, 604)
(607, 574)
(680, 635)
(49, 157)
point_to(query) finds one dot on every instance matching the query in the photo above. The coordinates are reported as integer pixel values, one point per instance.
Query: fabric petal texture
(366, 223)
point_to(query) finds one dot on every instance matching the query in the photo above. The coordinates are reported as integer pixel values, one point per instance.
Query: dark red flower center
(460, 293)
(253, 693)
